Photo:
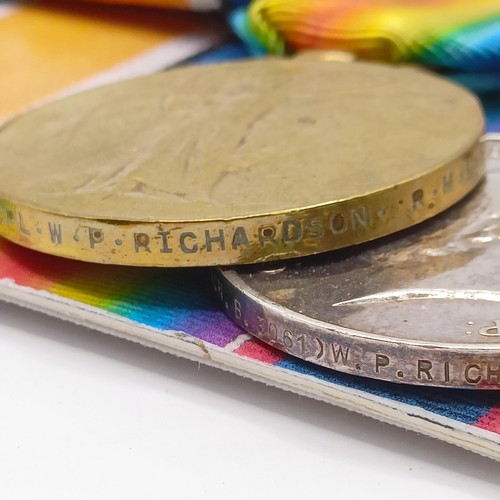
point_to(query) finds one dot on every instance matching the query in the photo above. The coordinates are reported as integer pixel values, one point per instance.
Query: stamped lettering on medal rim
(252, 239)
(283, 235)
(393, 362)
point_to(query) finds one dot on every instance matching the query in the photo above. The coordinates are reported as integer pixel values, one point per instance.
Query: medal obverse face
(419, 307)
(238, 163)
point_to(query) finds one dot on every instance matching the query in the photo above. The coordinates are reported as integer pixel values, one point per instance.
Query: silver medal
(419, 307)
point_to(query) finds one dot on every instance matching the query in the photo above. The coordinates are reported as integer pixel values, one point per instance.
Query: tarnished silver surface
(419, 307)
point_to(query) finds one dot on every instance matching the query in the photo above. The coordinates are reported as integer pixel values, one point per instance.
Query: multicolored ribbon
(457, 34)
(458, 37)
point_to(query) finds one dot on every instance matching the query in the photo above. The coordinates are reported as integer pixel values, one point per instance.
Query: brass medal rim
(20, 222)
(271, 235)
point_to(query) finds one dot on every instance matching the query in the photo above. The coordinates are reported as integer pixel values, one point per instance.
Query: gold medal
(238, 163)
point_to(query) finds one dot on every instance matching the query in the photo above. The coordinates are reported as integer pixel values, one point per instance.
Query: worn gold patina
(237, 163)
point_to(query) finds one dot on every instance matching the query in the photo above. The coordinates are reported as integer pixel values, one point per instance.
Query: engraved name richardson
(285, 232)
(472, 370)
(157, 238)
(480, 372)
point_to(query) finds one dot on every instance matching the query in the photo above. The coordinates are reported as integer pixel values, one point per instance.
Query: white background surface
(88, 416)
